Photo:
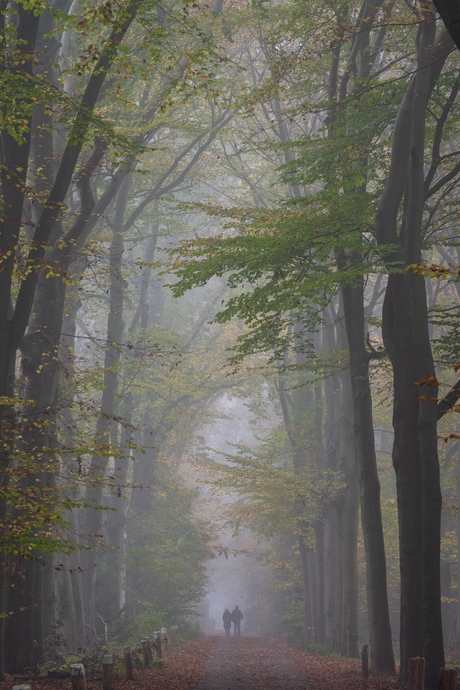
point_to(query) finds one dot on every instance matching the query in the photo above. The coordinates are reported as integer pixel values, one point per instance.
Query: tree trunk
(306, 584)
(397, 338)
(433, 647)
(318, 525)
(15, 158)
(40, 369)
(347, 454)
(381, 648)
(116, 527)
(320, 560)
(102, 437)
(294, 410)
(69, 595)
(334, 586)
(333, 515)
(457, 629)
(66, 610)
(415, 366)
(116, 520)
(447, 608)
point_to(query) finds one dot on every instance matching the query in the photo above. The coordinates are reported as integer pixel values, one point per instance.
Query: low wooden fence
(149, 650)
(416, 679)
(447, 681)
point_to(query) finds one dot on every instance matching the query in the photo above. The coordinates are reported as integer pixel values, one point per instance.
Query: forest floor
(241, 663)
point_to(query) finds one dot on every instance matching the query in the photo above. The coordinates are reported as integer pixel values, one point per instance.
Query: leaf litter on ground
(262, 663)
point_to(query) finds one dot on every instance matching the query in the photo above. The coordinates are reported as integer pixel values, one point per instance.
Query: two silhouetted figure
(234, 617)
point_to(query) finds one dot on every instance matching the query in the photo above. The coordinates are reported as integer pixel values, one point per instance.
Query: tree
(33, 137)
(448, 9)
(22, 40)
(280, 270)
(406, 337)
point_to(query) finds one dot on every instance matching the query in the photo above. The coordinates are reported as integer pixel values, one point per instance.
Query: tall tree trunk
(382, 657)
(333, 514)
(15, 159)
(116, 520)
(433, 649)
(350, 514)
(397, 338)
(414, 365)
(305, 583)
(119, 500)
(348, 465)
(334, 572)
(294, 409)
(318, 524)
(39, 379)
(103, 432)
(69, 595)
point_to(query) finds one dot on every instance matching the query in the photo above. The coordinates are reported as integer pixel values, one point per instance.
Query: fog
(229, 327)
(229, 574)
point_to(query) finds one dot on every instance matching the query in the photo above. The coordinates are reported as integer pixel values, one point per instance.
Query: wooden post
(158, 643)
(77, 675)
(145, 653)
(416, 673)
(107, 672)
(150, 650)
(448, 680)
(164, 640)
(365, 661)
(128, 664)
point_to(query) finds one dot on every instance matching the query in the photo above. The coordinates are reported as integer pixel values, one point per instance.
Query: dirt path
(252, 663)
(219, 663)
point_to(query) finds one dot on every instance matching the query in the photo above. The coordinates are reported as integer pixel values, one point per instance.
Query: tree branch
(63, 178)
(449, 401)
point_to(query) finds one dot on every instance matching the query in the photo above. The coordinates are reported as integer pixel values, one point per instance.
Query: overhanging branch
(449, 401)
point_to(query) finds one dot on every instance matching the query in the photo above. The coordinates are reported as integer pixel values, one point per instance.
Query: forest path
(252, 663)
(220, 663)
(269, 663)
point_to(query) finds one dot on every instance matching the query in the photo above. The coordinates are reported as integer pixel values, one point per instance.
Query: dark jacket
(237, 616)
(227, 618)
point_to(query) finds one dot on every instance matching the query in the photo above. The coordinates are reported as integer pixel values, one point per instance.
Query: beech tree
(42, 145)
(341, 201)
(23, 37)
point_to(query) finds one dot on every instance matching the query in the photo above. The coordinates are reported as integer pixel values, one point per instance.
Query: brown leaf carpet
(235, 663)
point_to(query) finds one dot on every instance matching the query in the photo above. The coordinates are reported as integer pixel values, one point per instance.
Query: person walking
(237, 617)
(227, 618)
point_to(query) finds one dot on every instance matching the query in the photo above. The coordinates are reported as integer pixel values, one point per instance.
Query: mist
(229, 336)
